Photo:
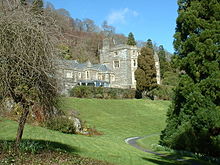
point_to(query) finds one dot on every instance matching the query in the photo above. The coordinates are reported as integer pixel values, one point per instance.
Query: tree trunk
(22, 122)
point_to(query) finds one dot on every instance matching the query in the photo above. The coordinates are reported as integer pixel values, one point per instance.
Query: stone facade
(122, 60)
(116, 69)
(72, 73)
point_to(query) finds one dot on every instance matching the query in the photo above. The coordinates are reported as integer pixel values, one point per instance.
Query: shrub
(101, 92)
(61, 124)
(162, 92)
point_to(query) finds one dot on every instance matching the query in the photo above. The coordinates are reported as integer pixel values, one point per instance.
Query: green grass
(116, 119)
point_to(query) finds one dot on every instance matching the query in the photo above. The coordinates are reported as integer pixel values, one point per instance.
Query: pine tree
(194, 118)
(145, 74)
(131, 40)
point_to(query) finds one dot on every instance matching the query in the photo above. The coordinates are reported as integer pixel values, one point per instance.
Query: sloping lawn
(116, 119)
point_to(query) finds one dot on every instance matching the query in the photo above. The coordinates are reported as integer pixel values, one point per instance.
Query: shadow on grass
(177, 159)
(36, 146)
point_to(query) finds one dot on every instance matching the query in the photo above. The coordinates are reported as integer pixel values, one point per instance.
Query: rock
(77, 124)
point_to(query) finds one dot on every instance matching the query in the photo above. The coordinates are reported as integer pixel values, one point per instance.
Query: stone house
(116, 69)
(72, 73)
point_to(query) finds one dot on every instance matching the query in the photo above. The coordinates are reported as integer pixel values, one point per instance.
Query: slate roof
(73, 64)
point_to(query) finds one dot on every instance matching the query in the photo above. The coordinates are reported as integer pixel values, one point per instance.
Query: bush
(162, 92)
(101, 92)
(61, 124)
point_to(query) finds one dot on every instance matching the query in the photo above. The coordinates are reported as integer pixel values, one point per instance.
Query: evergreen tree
(149, 44)
(145, 74)
(194, 118)
(164, 64)
(131, 40)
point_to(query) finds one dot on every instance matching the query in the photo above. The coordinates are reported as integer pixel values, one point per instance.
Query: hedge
(101, 92)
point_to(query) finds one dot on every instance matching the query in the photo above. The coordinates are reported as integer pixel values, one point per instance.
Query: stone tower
(122, 60)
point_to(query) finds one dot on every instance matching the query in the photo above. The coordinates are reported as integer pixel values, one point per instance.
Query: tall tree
(145, 74)
(194, 118)
(164, 64)
(131, 40)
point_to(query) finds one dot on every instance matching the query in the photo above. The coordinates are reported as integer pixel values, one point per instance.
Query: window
(116, 64)
(79, 75)
(113, 78)
(87, 74)
(115, 53)
(103, 77)
(134, 63)
(99, 76)
(69, 74)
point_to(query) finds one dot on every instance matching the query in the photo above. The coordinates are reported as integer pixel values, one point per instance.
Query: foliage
(165, 65)
(37, 6)
(170, 78)
(101, 92)
(145, 74)
(27, 60)
(149, 44)
(131, 40)
(193, 119)
(162, 92)
(61, 124)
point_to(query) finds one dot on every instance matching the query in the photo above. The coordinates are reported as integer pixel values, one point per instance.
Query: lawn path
(132, 141)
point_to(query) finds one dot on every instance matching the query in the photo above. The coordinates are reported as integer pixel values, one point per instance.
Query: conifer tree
(131, 40)
(194, 118)
(149, 44)
(145, 74)
(164, 64)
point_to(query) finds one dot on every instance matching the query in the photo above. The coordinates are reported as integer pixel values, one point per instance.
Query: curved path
(132, 141)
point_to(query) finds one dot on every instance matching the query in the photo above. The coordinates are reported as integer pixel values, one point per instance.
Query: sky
(146, 19)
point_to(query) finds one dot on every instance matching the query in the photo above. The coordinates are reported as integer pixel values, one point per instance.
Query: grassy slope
(117, 119)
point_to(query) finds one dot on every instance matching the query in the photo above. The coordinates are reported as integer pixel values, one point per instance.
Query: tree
(37, 6)
(193, 119)
(145, 74)
(131, 40)
(108, 30)
(23, 2)
(89, 25)
(149, 44)
(27, 62)
(164, 64)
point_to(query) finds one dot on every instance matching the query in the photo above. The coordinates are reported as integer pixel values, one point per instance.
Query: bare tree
(27, 60)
